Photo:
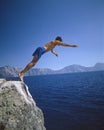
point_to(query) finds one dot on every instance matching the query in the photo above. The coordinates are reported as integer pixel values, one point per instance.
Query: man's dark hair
(59, 38)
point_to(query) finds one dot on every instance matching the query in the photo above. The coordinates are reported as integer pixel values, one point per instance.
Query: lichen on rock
(18, 110)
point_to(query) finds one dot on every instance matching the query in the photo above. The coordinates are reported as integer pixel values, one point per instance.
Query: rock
(2, 80)
(18, 110)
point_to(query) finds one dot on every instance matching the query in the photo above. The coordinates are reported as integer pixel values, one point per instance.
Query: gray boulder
(18, 110)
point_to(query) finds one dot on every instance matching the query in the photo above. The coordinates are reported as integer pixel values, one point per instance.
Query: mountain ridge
(10, 71)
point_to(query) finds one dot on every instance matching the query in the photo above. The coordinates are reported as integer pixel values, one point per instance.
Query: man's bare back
(49, 46)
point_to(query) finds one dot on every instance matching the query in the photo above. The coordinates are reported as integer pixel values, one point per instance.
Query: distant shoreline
(9, 71)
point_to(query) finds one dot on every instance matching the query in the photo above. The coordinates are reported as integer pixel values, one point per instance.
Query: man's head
(58, 38)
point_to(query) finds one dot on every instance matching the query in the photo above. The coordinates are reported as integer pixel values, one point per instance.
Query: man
(41, 50)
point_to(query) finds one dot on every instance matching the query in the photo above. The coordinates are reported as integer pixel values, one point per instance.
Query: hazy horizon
(51, 68)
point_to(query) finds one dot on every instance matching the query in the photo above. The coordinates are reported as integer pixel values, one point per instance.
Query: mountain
(39, 71)
(99, 66)
(79, 68)
(72, 69)
(9, 71)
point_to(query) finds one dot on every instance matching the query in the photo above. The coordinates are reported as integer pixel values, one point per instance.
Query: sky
(28, 24)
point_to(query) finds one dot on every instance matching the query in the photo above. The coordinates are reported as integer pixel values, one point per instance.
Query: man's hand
(56, 54)
(74, 45)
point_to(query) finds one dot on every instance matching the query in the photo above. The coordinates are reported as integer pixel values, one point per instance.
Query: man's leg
(29, 66)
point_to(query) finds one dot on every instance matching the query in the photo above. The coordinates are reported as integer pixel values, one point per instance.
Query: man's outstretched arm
(68, 45)
(65, 44)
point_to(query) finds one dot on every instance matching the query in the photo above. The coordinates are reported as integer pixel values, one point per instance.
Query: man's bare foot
(20, 76)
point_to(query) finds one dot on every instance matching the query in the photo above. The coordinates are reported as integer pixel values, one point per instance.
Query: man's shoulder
(57, 42)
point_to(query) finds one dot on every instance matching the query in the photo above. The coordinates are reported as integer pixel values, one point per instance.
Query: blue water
(70, 101)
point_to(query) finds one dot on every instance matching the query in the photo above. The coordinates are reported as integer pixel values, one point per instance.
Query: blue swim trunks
(39, 52)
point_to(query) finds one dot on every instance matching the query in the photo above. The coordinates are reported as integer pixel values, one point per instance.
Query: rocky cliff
(18, 110)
